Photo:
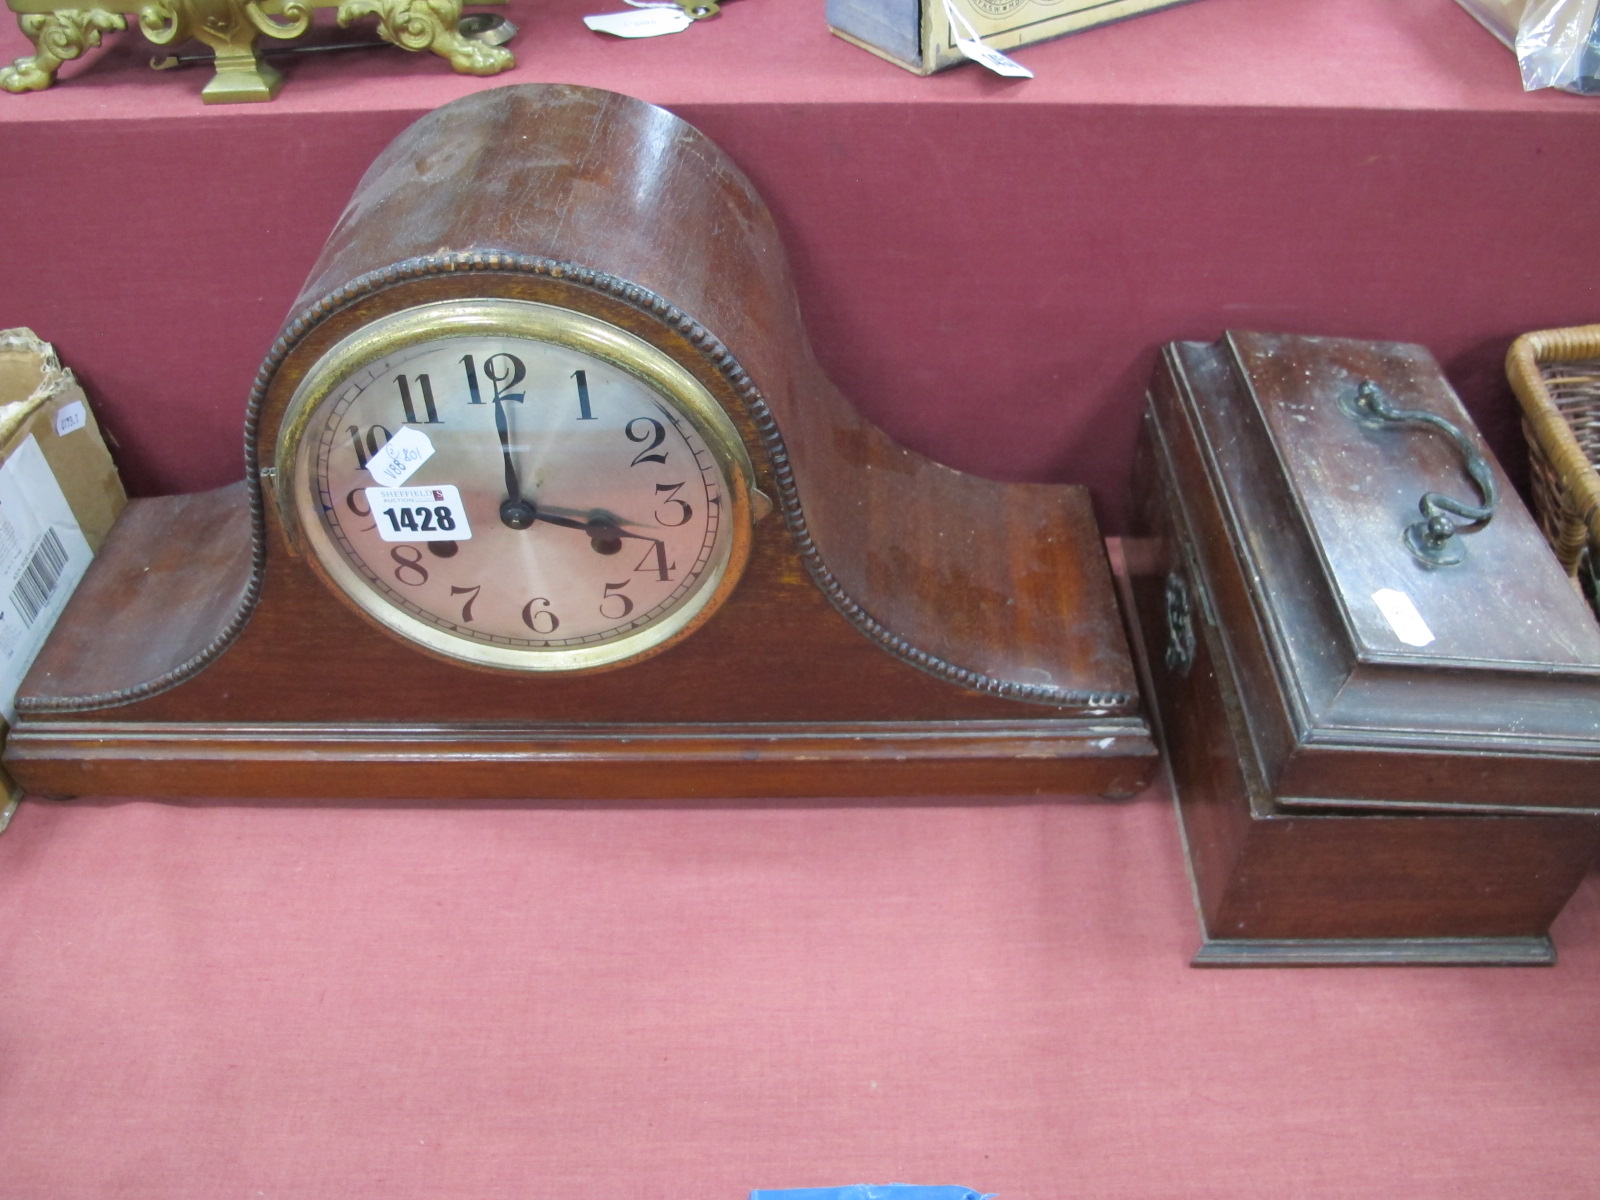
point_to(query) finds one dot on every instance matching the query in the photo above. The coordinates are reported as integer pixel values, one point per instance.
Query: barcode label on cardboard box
(43, 554)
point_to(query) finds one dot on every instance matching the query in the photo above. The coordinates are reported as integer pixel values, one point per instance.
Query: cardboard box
(59, 495)
(918, 34)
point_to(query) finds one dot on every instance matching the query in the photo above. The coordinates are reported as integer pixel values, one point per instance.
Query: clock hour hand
(515, 512)
(605, 533)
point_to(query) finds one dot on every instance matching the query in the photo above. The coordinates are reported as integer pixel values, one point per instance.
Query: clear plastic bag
(1557, 42)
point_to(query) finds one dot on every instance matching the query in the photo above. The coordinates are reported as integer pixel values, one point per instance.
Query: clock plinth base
(328, 762)
(202, 695)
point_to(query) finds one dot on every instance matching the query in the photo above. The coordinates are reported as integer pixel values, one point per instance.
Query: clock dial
(518, 485)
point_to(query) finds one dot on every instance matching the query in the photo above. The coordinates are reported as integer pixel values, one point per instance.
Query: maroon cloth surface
(202, 1001)
(206, 1001)
(987, 267)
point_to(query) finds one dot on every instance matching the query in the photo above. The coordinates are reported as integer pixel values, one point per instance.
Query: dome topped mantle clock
(546, 497)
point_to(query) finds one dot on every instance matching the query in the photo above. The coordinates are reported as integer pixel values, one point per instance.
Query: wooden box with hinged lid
(1381, 710)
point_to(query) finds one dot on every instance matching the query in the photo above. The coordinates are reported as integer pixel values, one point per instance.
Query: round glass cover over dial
(517, 485)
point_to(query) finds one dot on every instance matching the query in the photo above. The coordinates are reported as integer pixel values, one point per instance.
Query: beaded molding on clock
(716, 353)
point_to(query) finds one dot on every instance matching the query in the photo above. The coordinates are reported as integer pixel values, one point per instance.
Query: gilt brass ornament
(231, 29)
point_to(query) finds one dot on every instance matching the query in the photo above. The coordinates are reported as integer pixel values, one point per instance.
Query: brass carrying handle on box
(1433, 539)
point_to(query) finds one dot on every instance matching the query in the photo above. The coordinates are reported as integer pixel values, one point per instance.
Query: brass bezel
(300, 513)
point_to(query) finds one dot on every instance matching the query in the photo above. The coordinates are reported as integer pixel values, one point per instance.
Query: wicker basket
(1556, 375)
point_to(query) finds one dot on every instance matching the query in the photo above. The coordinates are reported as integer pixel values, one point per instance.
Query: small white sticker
(641, 22)
(970, 44)
(419, 514)
(988, 56)
(72, 416)
(1403, 617)
(400, 456)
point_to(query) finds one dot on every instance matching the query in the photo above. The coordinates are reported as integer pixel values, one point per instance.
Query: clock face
(517, 485)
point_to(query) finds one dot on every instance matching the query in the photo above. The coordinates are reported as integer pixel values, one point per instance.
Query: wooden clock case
(901, 628)
(1346, 796)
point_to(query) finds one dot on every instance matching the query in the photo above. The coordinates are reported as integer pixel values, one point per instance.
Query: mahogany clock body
(900, 628)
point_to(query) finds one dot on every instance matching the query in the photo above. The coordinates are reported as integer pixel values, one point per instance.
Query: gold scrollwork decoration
(430, 25)
(297, 19)
(59, 37)
(164, 23)
(230, 29)
(230, 23)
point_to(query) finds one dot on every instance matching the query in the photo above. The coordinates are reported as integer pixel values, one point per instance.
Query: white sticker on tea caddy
(1403, 617)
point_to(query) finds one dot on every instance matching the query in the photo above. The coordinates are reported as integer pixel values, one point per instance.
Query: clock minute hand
(515, 512)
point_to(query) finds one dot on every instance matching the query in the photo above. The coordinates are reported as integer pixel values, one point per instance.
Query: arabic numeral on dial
(683, 511)
(585, 413)
(409, 569)
(361, 510)
(471, 593)
(425, 391)
(612, 593)
(540, 620)
(368, 444)
(471, 369)
(653, 433)
(655, 561)
(504, 371)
